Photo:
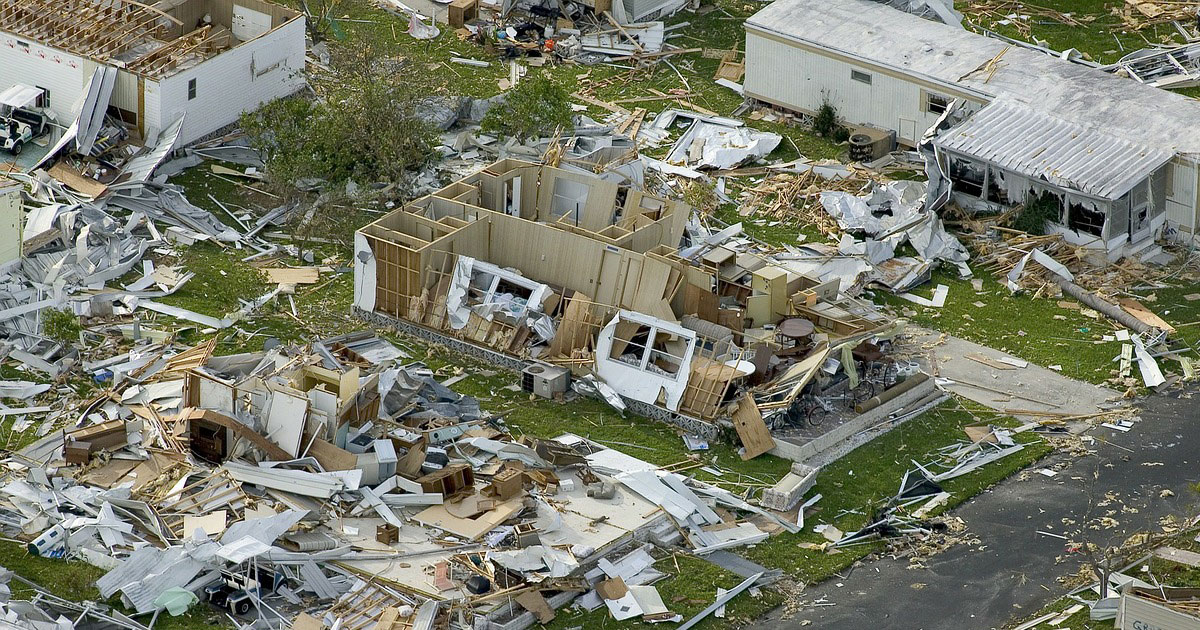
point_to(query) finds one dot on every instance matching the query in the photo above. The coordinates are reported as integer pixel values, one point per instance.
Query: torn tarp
(401, 387)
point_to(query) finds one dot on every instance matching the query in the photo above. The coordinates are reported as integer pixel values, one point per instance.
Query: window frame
(928, 106)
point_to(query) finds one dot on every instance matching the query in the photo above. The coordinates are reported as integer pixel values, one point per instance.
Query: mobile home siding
(794, 77)
(62, 74)
(1182, 194)
(12, 221)
(239, 80)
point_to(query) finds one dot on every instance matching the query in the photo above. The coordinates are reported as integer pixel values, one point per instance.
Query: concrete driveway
(1012, 573)
(1005, 387)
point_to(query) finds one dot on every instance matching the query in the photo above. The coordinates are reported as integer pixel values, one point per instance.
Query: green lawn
(871, 474)
(691, 587)
(1035, 329)
(691, 73)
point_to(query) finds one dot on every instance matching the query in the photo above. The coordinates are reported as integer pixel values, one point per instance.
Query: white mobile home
(208, 59)
(1119, 157)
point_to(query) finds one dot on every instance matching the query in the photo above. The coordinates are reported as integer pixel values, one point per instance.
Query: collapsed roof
(153, 40)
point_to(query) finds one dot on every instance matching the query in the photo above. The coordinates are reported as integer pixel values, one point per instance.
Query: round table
(794, 328)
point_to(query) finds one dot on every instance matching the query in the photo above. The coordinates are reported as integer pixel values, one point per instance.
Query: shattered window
(968, 176)
(637, 344)
(996, 190)
(1085, 218)
(936, 103)
(661, 359)
(632, 348)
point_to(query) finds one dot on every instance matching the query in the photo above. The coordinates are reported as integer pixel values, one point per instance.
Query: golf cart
(236, 590)
(20, 120)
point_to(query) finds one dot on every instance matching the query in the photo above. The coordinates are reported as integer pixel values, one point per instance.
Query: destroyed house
(1116, 158)
(533, 262)
(205, 60)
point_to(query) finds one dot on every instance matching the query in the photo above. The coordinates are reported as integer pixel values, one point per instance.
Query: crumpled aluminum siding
(149, 572)
(1031, 143)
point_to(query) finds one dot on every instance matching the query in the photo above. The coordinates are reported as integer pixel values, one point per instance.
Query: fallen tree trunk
(1104, 307)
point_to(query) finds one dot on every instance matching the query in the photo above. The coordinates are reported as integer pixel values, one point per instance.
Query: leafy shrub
(1033, 218)
(825, 123)
(61, 325)
(366, 124)
(534, 108)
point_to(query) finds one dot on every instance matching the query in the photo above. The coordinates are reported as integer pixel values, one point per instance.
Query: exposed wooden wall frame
(110, 31)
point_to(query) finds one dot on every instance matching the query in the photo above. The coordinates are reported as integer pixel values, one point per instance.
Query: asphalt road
(1013, 572)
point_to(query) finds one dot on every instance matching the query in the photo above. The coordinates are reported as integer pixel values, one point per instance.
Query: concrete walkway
(1013, 572)
(1032, 388)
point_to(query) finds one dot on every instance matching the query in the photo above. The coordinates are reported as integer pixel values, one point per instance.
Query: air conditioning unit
(868, 144)
(545, 380)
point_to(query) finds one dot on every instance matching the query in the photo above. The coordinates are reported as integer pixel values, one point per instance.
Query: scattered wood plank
(293, 275)
(992, 363)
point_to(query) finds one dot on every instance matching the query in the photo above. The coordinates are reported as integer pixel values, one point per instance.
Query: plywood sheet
(111, 473)
(748, 423)
(536, 604)
(1144, 315)
(297, 275)
(212, 523)
(75, 180)
(469, 528)
(331, 457)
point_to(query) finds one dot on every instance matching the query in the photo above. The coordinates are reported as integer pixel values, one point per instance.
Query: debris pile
(337, 477)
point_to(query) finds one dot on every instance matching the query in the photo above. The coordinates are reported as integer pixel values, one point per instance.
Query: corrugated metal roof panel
(147, 573)
(134, 568)
(1037, 145)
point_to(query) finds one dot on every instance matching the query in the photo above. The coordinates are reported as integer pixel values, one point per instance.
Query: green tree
(365, 123)
(534, 108)
(825, 123)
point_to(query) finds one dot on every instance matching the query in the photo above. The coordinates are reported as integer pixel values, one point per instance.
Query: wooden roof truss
(99, 29)
(202, 41)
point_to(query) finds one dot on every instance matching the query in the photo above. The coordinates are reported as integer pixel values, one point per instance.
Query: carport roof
(1035, 144)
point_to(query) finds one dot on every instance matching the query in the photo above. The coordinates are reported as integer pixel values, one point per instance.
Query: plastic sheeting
(895, 214)
(713, 144)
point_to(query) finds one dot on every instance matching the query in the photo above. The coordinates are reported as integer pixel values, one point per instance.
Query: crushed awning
(20, 96)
